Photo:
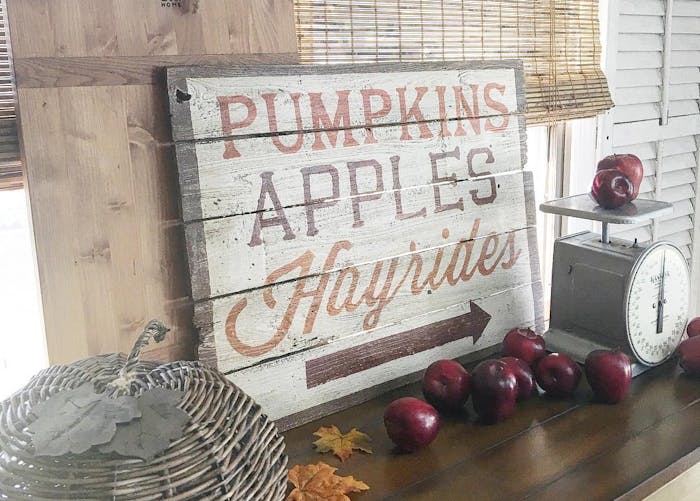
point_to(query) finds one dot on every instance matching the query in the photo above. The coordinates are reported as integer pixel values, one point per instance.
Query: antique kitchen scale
(610, 293)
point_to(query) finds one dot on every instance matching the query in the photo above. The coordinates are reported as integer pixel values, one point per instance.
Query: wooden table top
(549, 449)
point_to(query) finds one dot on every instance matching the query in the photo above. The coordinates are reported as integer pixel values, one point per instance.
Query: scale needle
(662, 299)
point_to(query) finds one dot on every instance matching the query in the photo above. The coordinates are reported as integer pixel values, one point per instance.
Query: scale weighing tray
(584, 207)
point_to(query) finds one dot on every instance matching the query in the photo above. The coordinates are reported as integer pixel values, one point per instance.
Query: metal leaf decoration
(161, 421)
(75, 420)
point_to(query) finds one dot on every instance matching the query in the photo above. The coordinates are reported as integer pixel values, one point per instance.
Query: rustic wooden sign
(347, 225)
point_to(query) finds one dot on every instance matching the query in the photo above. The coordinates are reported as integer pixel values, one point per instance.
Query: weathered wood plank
(37, 72)
(212, 185)
(360, 229)
(287, 375)
(275, 320)
(242, 101)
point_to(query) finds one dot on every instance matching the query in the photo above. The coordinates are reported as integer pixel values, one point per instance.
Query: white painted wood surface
(333, 232)
(658, 69)
(294, 98)
(277, 320)
(382, 235)
(230, 186)
(280, 387)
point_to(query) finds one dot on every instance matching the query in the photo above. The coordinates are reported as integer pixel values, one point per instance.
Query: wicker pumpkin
(229, 450)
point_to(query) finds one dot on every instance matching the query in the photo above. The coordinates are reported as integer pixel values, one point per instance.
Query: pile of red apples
(496, 385)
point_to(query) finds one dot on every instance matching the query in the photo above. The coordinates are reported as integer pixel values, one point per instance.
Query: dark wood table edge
(654, 483)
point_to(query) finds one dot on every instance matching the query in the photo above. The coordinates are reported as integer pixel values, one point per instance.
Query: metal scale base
(579, 343)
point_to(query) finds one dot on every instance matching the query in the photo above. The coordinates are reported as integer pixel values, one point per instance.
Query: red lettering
(472, 113)
(322, 122)
(444, 131)
(497, 106)
(228, 127)
(414, 113)
(272, 122)
(370, 115)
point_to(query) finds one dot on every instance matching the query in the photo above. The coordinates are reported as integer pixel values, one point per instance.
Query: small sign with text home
(347, 225)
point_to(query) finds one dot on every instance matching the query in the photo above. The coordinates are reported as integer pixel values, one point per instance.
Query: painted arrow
(365, 356)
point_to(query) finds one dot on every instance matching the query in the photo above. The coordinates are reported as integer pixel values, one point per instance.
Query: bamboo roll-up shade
(558, 41)
(10, 166)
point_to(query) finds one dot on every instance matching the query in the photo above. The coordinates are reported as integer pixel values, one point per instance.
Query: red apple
(627, 164)
(411, 423)
(524, 344)
(558, 374)
(610, 374)
(693, 328)
(523, 376)
(494, 391)
(611, 189)
(446, 385)
(689, 351)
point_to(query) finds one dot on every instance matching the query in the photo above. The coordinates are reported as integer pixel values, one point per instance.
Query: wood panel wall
(99, 159)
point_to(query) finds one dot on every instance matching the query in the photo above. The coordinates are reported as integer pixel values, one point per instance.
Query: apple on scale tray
(610, 293)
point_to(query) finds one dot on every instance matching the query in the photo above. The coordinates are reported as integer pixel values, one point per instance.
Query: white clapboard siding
(677, 178)
(636, 60)
(635, 77)
(684, 57)
(678, 193)
(683, 208)
(641, 24)
(645, 151)
(639, 42)
(652, 110)
(686, 8)
(652, 93)
(648, 184)
(685, 74)
(682, 41)
(642, 8)
(672, 163)
(649, 130)
(679, 108)
(637, 118)
(684, 25)
(678, 162)
(642, 234)
(675, 225)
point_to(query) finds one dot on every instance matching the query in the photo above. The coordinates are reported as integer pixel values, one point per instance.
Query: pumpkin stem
(154, 330)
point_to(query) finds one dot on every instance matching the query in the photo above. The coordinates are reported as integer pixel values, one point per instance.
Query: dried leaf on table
(342, 445)
(318, 482)
(161, 422)
(75, 420)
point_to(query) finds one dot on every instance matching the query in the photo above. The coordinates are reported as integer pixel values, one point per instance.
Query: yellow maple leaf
(342, 445)
(318, 482)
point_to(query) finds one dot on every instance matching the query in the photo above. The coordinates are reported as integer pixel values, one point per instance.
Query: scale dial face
(656, 303)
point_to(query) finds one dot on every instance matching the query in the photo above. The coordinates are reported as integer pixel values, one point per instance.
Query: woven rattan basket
(229, 450)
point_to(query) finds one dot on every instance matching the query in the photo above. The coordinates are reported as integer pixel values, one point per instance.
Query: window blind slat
(10, 168)
(558, 41)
